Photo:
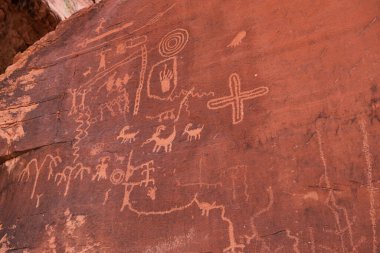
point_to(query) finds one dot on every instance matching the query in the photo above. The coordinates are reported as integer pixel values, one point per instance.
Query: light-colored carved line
(206, 207)
(129, 44)
(38, 200)
(84, 124)
(106, 196)
(193, 94)
(105, 34)
(296, 241)
(182, 103)
(312, 240)
(331, 201)
(144, 63)
(161, 212)
(200, 184)
(327, 248)
(270, 203)
(154, 19)
(246, 185)
(370, 188)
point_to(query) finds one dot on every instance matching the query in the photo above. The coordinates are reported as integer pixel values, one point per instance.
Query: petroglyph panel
(195, 126)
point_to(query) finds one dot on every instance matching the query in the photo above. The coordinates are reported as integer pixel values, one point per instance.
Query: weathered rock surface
(195, 126)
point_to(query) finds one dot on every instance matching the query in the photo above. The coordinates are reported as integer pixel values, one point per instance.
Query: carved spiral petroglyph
(173, 42)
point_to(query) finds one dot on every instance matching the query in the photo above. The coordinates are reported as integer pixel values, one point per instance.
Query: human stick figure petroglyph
(102, 60)
(114, 84)
(80, 105)
(192, 134)
(236, 98)
(127, 136)
(145, 169)
(101, 169)
(237, 39)
(140, 52)
(25, 173)
(165, 143)
(118, 105)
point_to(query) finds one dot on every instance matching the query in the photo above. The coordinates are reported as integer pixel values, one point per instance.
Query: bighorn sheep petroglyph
(165, 143)
(192, 133)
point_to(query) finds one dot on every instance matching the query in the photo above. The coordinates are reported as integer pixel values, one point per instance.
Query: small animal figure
(127, 136)
(192, 133)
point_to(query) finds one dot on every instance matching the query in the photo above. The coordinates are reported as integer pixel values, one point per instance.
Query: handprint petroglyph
(166, 76)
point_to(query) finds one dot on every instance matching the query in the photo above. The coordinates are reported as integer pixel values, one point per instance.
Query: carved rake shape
(81, 170)
(236, 98)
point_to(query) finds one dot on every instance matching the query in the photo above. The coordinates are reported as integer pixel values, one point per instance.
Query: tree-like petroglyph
(54, 160)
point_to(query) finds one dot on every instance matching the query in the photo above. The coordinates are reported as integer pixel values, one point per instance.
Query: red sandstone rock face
(195, 126)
